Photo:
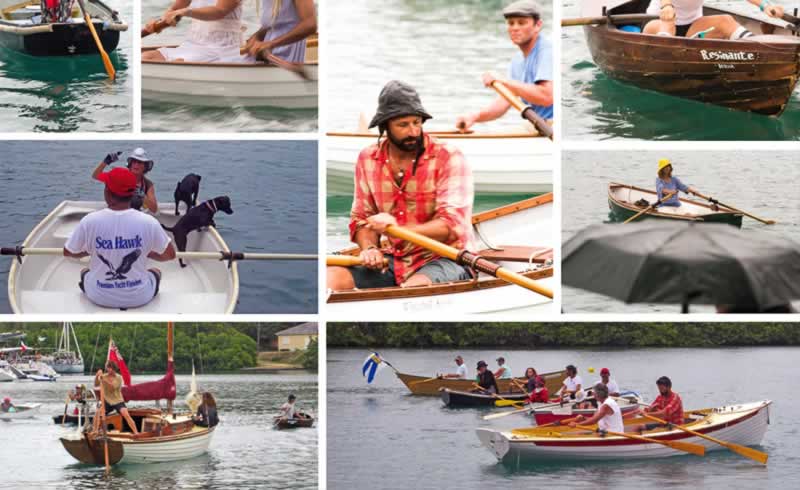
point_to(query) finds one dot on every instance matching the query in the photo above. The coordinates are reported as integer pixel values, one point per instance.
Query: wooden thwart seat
(518, 254)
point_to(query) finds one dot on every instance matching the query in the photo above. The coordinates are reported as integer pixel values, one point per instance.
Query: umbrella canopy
(682, 263)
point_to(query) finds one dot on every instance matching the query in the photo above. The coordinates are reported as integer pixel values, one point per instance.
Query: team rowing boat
(518, 236)
(756, 74)
(623, 198)
(49, 284)
(227, 84)
(21, 29)
(502, 163)
(743, 424)
(420, 385)
(628, 402)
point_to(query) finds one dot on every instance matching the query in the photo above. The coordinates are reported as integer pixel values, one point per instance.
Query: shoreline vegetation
(561, 335)
(213, 347)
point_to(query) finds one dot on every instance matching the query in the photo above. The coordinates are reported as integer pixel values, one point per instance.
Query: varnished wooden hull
(420, 385)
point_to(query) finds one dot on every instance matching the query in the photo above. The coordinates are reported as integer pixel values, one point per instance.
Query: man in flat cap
(531, 71)
(407, 179)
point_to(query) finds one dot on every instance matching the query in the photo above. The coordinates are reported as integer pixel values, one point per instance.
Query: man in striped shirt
(411, 180)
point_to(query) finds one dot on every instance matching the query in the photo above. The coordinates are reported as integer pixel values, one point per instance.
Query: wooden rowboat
(457, 399)
(518, 236)
(542, 416)
(21, 30)
(502, 163)
(420, 385)
(70, 419)
(48, 284)
(622, 200)
(743, 424)
(22, 411)
(227, 84)
(283, 424)
(757, 74)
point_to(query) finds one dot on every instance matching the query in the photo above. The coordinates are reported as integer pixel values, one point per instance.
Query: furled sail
(163, 389)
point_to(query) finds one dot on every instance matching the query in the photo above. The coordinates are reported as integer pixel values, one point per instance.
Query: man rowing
(668, 404)
(503, 371)
(608, 416)
(486, 380)
(411, 180)
(531, 71)
(461, 370)
(605, 380)
(139, 164)
(684, 18)
(119, 241)
(572, 384)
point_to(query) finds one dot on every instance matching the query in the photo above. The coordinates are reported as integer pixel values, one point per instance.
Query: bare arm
(167, 255)
(214, 12)
(435, 228)
(539, 93)
(306, 27)
(99, 170)
(78, 255)
(599, 414)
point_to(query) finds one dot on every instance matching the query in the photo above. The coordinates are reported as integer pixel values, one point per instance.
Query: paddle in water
(714, 201)
(112, 73)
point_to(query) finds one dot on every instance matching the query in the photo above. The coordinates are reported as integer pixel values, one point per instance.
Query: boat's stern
(92, 451)
(496, 441)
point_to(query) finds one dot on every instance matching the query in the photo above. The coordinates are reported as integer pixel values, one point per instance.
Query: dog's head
(194, 177)
(223, 203)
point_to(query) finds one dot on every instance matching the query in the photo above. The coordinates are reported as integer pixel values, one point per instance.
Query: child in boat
(288, 410)
(206, 415)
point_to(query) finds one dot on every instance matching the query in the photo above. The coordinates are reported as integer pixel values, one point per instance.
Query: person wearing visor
(119, 240)
(408, 179)
(139, 164)
(530, 75)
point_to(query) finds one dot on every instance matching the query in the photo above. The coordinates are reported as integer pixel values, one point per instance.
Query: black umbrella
(665, 262)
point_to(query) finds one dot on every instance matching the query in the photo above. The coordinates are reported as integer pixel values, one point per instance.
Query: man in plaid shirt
(667, 405)
(407, 179)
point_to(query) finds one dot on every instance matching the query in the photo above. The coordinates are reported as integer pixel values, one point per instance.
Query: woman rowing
(215, 35)
(285, 25)
(667, 182)
(684, 18)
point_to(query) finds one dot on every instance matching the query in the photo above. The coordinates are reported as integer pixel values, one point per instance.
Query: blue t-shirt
(537, 66)
(675, 184)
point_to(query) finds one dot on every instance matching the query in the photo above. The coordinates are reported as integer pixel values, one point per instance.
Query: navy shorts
(439, 270)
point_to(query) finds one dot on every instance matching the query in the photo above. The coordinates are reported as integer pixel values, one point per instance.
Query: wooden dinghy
(71, 419)
(227, 84)
(502, 163)
(281, 423)
(49, 284)
(518, 236)
(622, 200)
(420, 385)
(743, 424)
(21, 411)
(756, 74)
(21, 29)
(459, 399)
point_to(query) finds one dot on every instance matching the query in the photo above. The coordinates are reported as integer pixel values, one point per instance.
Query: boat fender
(631, 28)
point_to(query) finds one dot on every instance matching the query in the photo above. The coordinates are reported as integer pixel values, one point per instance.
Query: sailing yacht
(65, 360)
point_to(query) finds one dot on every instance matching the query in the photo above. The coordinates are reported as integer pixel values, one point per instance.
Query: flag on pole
(23, 346)
(372, 364)
(114, 355)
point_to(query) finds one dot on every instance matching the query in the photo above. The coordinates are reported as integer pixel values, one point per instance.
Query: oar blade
(508, 403)
(689, 447)
(748, 452)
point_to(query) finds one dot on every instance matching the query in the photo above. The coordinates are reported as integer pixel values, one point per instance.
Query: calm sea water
(735, 178)
(165, 117)
(59, 94)
(596, 107)
(441, 47)
(272, 186)
(245, 451)
(380, 433)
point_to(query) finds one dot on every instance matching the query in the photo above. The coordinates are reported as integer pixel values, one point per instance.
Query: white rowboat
(227, 84)
(49, 284)
(27, 411)
(502, 163)
(743, 424)
(518, 237)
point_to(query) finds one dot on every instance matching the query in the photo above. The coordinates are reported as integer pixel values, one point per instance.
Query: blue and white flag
(372, 364)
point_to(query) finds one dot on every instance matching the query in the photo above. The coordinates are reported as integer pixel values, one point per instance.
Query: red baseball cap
(605, 371)
(119, 181)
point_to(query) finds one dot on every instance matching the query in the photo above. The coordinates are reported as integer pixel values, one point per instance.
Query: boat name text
(118, 243)
(727, 55)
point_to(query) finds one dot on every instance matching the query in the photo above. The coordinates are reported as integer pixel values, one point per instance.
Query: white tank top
(613, 422)
(686, 11)
(223, 32)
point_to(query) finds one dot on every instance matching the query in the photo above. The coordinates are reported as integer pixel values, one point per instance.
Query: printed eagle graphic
(118, 273)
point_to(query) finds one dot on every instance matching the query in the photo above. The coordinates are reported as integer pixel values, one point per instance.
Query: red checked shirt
(441, 188)
(672, 405)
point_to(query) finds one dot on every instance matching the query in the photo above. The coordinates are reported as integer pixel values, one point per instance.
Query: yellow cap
(663, 163)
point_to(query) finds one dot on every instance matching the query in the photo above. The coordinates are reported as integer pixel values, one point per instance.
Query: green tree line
(557, 335)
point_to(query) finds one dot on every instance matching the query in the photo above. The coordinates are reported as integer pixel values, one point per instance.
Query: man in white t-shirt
(572, 384)
(119, 241)
(461, 370)
(605, 378)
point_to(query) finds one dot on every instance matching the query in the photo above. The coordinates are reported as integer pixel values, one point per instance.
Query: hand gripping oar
(614, 19)
(493, 395)
(688, 447)
(112, 74)
(525, 111)
(347, 260)
(747, 452)
(712, 200)
(159, 26)
(298, 69)
(650, 207)
(469, 259)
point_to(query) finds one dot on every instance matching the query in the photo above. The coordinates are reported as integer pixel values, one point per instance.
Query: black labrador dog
(201, 216)
(186, 191)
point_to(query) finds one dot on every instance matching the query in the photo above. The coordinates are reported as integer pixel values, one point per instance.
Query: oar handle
(525, 111)
(158, 26)
(735, 210)
(614, 19)
(348, 261)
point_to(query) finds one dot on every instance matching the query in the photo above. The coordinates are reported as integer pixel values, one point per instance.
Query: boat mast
(170, 343)
(75, 339)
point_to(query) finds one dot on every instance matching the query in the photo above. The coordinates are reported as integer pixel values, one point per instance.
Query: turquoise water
(66, 94)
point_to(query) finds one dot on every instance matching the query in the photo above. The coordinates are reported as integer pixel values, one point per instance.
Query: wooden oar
(159, 26)
(525, 111)
(688, 447)
(221, 255)
(298, 69)
(745, 451)
(347, 260)
(520, 410)
(464, 257)
(102, 414)
(614, 19)
(414, 383)
(712, 200)
(794, 22)
(494, 395)
(650, 207)
(112, 74)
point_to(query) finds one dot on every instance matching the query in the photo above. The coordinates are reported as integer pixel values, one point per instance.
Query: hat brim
(379, 119)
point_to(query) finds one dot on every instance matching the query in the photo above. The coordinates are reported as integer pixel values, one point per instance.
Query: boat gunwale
(104, 14)
(445, 134)
(258, 65)
(191, 434)
(413, 378)
(694, 217)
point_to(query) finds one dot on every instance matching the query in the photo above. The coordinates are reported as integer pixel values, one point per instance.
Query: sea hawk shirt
(118, 243)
